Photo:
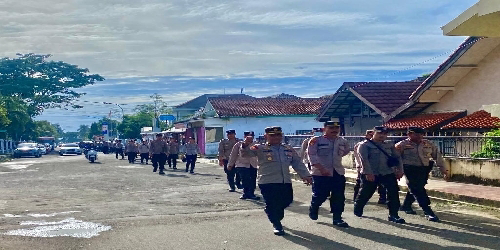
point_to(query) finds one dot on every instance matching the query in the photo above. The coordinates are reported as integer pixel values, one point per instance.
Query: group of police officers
(380, 164)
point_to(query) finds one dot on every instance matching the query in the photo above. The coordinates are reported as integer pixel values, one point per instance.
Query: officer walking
(417, 154)
(173, 153)
(246, 168)
(158, 151)
(380, 163)
(325, 155)
(131, 150)
(274, 159)
(119, 149)
(225, 148)
(144, 151)
(192, 152)
(382, 193)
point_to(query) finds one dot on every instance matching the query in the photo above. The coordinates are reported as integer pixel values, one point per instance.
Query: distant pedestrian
(325, 156)
(380, 163)
(225, 148)
(158, 151)
(246, 168)
(382, 193)
(132, 149)
(418, 155)
(275, 183)
(173, 153)
(119, 149)
(192, 152)
(144, 151)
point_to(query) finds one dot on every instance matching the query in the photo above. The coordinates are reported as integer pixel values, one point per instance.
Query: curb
(434, 195)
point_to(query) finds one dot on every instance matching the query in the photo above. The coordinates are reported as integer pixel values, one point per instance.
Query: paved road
(116, 205)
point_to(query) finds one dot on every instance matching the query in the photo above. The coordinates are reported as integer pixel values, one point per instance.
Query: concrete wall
(479, 87)
(487, 170)
(289, 124)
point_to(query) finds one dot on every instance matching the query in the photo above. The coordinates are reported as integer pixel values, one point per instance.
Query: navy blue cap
(331, 124)
(380, 129)
(317, 129)
(274, 130)
(417, 130)
(231, 131)
(249, 133)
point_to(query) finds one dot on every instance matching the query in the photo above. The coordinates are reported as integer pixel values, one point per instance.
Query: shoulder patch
(254, 147)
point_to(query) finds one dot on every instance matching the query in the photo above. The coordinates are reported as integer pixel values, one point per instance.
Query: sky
(184, 48)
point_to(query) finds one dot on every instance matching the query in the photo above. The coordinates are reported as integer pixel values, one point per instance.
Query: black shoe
(254, 197)
(358, 211)
(243, 197)
(169, 166)
(407, 210)
(191, 172)
(340, 223)
(154, 170)
(430, 216)
(239, 186)
(162, 173)
(382, 202)
(175, 168)
(232, 190)
(278, 229)
(396, 219)
(313, 213)
(187, 170)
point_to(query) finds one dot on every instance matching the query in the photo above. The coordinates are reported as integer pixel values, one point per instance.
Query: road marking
(69, 227)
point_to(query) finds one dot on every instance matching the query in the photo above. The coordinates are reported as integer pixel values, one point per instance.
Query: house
(294, 115)
(465, 83)
(481, 19)
(359, 106)
(192, 106)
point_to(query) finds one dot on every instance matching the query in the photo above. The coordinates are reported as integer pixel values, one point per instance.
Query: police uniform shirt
(328, 153)
(419, 154)
(119, 145)
(274, 162)
(240, 162)
(303, 151)
(173, 148)
(373, 161)
(144, 149)
(192, 149)
(225, 148)
(131, 148)
(158, 147)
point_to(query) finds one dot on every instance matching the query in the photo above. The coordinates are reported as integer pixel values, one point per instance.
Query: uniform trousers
(119, 151)
(382, 192)
(416, 179)
(277, 196)
(232, 176)
(131, 156)
(159, 160)
(172, 160)
(324, 186)
(105, 149)
(368, 188)
(144, 156)
(191, 161)
(248, 180)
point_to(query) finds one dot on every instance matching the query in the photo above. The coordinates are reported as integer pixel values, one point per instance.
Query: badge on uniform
(312, 141)
(254, 147)
(269, 158)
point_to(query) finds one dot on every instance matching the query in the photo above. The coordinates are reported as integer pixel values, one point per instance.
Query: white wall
(361, 125)
(289, 124)
(479, 87)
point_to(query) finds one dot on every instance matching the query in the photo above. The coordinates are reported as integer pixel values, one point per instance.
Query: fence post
(1, 146)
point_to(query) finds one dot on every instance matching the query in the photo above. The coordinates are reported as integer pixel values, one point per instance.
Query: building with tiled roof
(479, 120)
(431, 122)
(359, 106)
(192, 106)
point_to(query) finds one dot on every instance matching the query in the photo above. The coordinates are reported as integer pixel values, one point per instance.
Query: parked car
(48, 147)
(70, 148)
(42, 148)
(27, 149)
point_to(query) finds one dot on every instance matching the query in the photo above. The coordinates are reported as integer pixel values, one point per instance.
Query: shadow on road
(176, 175)
(312, 241)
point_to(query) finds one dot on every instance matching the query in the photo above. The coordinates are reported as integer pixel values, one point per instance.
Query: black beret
(249, 133)
(417, 130)
(274, 130)
(332, 124)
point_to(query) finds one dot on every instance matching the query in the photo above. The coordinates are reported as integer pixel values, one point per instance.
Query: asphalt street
(67, 203)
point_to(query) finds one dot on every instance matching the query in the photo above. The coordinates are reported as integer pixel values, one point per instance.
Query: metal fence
(451, 146)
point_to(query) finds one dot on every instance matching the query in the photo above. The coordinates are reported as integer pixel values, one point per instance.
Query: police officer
(131, 150)
(246, 168)
(380, 163)
(225, 148)
(305, 143)
(119, 149)
(325, 155)
(274, 159)
(173, 153)
(382, 193)
(192, 152)
(158, 151)
(417, 153)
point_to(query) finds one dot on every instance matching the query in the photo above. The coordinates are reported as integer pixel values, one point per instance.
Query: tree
(4, 119)
(491, 146)
(94, 130)
(71, 137)
(42, 84)
(83, 132)
(20, 120)
(44, 128)
(132, 124)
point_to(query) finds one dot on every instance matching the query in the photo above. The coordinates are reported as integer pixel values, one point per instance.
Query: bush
(491, 147)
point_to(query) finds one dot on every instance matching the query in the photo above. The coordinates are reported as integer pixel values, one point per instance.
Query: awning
(482, 19)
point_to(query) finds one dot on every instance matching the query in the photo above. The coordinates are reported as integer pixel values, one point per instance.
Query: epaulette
(313, 140)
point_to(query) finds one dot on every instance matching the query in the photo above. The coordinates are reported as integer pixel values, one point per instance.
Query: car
(70, 148)
(27, 149)
(42, 148)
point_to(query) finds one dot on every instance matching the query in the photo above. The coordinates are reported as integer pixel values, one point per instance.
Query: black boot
(313, 212)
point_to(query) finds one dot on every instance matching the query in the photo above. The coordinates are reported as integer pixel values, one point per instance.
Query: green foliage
(491, 147)
(132, 124)
(83, 132)
(96, 128)
(44, 128)
(4, 119)
(42, 84)
(71, 137)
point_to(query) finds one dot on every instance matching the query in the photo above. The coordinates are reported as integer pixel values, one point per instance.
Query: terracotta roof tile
(426, 121)
(266, 106)
(479, 119)
(385, 96)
